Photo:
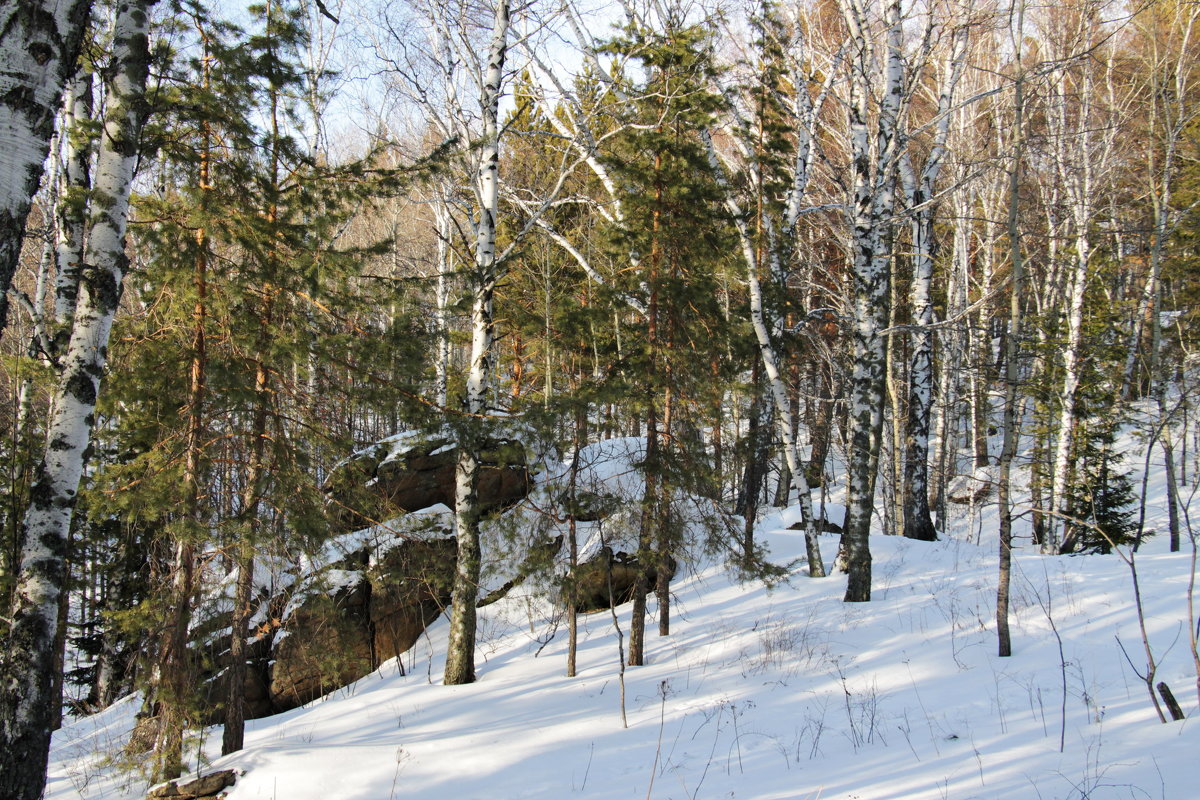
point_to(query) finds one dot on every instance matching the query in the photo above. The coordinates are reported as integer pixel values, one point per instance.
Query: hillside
(783, 692)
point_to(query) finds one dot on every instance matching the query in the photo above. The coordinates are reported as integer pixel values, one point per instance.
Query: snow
(760, 692)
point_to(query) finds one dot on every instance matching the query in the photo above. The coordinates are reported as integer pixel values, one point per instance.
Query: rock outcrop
(205, 787)
(411, 473)
(409, 589)
(326, 643)
(606, 580)
(331, 639)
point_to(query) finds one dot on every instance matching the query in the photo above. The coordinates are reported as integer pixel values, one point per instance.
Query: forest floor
(758, 693)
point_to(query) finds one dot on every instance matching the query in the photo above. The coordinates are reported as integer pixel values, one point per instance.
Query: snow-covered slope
(783, 692)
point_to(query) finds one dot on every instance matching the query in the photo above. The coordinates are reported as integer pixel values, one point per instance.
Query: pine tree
(675, 226)
(1100, 499)
(242, 276)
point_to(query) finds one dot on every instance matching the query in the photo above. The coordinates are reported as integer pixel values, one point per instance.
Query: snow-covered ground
(783, 692)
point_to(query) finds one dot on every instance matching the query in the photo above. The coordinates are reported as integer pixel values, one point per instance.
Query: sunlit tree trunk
(460, 658)
(873, 200)
(1012, 413)
(919, 190)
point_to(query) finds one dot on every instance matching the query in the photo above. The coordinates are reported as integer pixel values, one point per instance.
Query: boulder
(334, 638)
(213, 658)
(410, 586)
(823, 526)
(206, 786)
(589, 582)
(589, 506)
(407, 474)
(972, 489)
(325, 644)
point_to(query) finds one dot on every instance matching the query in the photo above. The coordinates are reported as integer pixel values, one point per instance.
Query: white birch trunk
(1078, 183)
(441, 357)
(918, 523)
(770, 361)
(1012, 415)
(39, 45)
(77, 112)
(27, 686)
(873, 203)
(460, 659)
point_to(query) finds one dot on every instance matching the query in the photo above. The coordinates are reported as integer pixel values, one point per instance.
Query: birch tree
(26, 690)
(460, 657)
(1012, 415)
(875, 145)
(920, 194)
(40, 42)
(772, 241)
(1083, 136)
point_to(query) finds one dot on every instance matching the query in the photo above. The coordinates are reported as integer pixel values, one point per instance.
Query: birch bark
(919, 192)
(874, 168)
(770, 360)
(460, 658)
(1077, 166)
(39, 45)
(77, 151)
(1012, 417)
(25, 710)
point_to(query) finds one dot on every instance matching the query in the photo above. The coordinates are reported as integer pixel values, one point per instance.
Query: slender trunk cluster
(39, 46)
(920, 195)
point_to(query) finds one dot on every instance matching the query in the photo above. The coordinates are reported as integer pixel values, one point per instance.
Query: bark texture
(873, 201)
(919, 191)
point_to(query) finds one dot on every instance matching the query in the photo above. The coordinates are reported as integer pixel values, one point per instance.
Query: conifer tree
(674, 224)
(243, 272)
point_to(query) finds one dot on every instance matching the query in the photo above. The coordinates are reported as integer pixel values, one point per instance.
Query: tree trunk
(753, 472)
(918, 524)
(248, 528)
(651, 463)
(27, 701)
(233, 737)
(72, 205)
(578, 438)
(441, 357)
(873, 201)
(796, 475)
(174, 670)
(1011, 372)
(460, 656)
(40, 42)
